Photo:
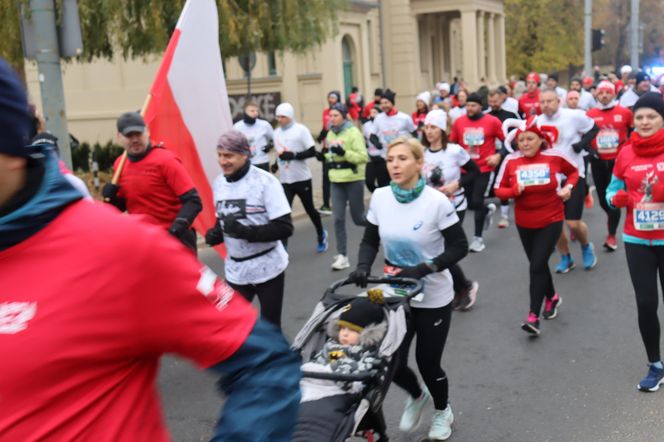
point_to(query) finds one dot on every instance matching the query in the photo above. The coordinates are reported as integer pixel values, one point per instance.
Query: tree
(137, 28)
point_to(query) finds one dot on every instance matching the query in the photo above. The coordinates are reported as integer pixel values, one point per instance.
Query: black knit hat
(474, 98)
(378, 92)
(15, 119)
(389, 95)
(554, 76)
(341, 108)
(641, 76)
(360, 313)
(650, 100)
(336, 94)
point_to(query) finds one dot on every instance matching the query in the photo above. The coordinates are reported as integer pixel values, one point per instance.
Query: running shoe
(551, 306)
(441, 424)
(325, 210)
(504, 222)
(477, 245)
(488, 220)
(322, 245)
(653, 379)
(531, 325)
(589, 258)
(466, 298)
(589, 201)
(340, 262)
(566, 264)
(412, 413)
(611, 245)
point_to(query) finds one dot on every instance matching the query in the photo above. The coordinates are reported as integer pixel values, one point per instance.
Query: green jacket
(352, 141)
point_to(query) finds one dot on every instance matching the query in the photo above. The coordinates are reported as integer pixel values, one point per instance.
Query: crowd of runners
(546, 151)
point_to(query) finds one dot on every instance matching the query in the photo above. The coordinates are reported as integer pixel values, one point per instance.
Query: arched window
(347, 54)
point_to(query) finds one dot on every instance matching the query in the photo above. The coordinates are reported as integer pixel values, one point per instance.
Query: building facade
(406, 45)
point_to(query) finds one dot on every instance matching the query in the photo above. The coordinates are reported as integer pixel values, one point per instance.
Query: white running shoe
(340, 262)
(504, 222)
(412, 413)
(488, 221)
(477, 245)
(441, 425)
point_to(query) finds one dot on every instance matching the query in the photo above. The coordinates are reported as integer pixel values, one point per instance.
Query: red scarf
(650, 146)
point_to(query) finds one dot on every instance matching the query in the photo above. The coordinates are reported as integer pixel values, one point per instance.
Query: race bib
(608, 141)
(389, 136)
(473, 136)
(397, 289)
(649, 216)
(533, 175)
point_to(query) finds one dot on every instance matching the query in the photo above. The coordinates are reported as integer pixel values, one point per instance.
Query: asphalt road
(574, 383)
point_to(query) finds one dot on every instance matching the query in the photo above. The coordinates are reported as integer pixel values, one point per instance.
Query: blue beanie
(14, 116)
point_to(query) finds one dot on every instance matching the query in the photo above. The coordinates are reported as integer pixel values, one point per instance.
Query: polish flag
(189, 109)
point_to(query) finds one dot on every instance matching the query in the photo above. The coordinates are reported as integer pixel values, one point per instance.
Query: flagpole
(123, 158)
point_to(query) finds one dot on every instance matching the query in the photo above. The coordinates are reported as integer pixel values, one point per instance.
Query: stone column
(493, 47)
(481, 46)
(469, 70)
(500, 48)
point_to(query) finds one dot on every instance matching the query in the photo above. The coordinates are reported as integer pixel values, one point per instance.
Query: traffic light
(598, 39)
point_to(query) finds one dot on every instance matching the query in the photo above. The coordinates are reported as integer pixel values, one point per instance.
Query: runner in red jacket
(529, 103)
(530, 176)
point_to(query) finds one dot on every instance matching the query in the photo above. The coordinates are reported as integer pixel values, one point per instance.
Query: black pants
(431, 326)
(270, 294)
(644, 262)
(539, 244)
(326, 184)
(376, 174)
(476, 192)
(458, 277)
(304, 191)
(264, 166)
(602, 170)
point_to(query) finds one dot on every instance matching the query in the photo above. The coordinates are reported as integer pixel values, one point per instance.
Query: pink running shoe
(551, 306)
(531, 326)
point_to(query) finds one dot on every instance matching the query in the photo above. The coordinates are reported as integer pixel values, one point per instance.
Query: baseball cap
(130, 122)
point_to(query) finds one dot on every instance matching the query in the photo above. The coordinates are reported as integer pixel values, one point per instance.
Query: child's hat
(360, 313)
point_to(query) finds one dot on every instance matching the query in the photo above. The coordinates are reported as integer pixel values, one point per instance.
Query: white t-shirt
(570, 125)
(449, 161)
(586, 100)
(389, 128)
(411, 234)
(457, 112)
(255, 199)
(296, 138)
(562, 94)
(259, 135)
(511, 105)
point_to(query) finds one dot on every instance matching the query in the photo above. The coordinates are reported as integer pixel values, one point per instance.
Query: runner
(460, 109)
(615, 123)
(378, 94)
(259, 133)
(153, 183)
(375, 171)
(355, 104)
(572, 100)
(509, 103)
(294, 144)
(586, 100)
(530, 176)
(443, 162)
(422, 242)
(346, 160)
(642, 85)
(477, 133)
(333, 98)
(422, 109)
(637, 185)
(443, 100)
(572, 133)
(253, 218)
(529, 103)
(552, 83)
(112, 296)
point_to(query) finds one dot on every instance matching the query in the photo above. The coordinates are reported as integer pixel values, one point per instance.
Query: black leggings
(602, 170)
(458, 277)
(539, 244)
(304, 191)
(270, 295)
(644, 262)
(477, 192)
(326, 184)
(431, 326)
(376, 174)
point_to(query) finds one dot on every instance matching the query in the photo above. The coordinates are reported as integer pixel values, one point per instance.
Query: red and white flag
(189, 109)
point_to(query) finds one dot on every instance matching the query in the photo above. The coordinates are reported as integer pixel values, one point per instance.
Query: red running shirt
(539, 204)
(152, 186)
(529, 104)
(478, 137)
(87, 307)
(613, 125)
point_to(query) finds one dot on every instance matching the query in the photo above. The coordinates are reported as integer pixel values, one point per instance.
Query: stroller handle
(417, 284)
(350, 377)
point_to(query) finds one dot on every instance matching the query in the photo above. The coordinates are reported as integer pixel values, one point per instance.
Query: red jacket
(529, 104)
(418, 118)
(478, 137)
(539, 204)
(614, 123)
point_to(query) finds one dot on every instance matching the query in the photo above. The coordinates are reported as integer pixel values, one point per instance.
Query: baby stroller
(337, 418)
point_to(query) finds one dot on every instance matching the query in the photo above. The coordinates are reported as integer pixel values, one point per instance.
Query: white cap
(438, 118)
(626, 69)
(443, 86)
(425, 97)
(285, 110)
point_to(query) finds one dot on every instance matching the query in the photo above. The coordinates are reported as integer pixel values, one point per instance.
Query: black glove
(416, 272)
(320, 156)
(179, 226)
(287, 156)
(375, 141)
(274, 167)
(359, 277)
(420, 125)
(267, 148)
(593, 153)
(322, 135)
(336, 149)
(215, 235)
(110, 191)
(578, 147)
(236, 229)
